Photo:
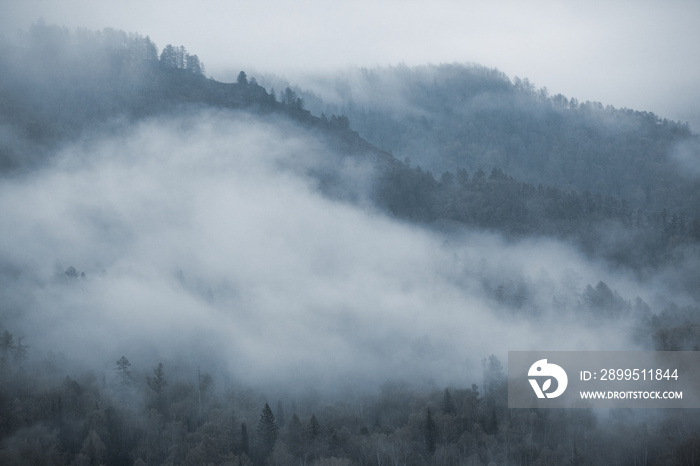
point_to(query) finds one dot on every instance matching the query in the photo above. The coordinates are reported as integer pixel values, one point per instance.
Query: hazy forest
(327, 272)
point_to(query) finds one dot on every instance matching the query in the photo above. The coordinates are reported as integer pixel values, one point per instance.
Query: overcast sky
(636, 54)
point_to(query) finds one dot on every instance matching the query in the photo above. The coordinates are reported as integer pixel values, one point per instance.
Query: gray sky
(636, 54)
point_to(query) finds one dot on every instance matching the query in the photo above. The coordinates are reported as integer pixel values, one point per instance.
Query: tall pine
(430, 433)
(244, 440)
(267, 433)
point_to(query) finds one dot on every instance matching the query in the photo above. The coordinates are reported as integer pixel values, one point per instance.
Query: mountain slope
(57, 84)
(599, 177)
(451, 117)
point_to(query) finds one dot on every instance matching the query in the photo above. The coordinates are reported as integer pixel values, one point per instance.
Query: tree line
(137, 417)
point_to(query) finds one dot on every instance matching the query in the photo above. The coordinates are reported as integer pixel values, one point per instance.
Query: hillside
(505, 157)
(57, 85)
(197, 272)
(452, 117)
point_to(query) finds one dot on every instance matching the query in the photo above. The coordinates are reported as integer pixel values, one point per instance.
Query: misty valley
(328, 272)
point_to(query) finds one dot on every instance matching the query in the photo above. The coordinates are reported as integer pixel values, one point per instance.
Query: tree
(194, 65)
(242, 78)
(314, 428)
(180, 55)
(157, 382)
(245, 443)
(430, 433)
(7, 346)
(295, 437)
(280, 414)
(151, 51)
(7, 343)
(168, 56)
(124, 375)
(290, 99)
(267, 433)
(447, 406)
(341, 121)
(20, 351)
(493, 374)
(93, 449)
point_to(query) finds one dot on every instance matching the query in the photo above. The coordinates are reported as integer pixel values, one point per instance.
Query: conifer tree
(448, 406)
(123, 371)
(280, 414)
(430, 433)
(314, 428)
(244, 440)
(266, 434)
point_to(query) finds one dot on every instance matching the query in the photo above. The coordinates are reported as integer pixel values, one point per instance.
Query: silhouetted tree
(245, 440)
(447, 406)
(279, 414)
(157, 383)
(430, 431)
(194, 65)
(266, 434)
(168, 56)
(314, 428)
(123, 370)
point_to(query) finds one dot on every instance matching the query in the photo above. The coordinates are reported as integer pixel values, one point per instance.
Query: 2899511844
(639, 374)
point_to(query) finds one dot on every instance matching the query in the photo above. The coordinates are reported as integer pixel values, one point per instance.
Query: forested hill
(56, 83)
(494, 154)
(485, 151)
(451, 117)
(214, 261)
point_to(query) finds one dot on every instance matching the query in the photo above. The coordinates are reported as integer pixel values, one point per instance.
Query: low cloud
(687, 156)
(204, 239)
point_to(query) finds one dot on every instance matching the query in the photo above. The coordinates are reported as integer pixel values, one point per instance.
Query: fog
(205, 239)
(638, 55)
(687, 158)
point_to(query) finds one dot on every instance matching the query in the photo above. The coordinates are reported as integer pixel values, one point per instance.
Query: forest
(330, 273)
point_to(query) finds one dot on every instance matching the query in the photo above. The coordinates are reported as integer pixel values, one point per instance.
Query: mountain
(452, 116)
(482, 150)
(179, 253)
(478, 149)
(57, 84)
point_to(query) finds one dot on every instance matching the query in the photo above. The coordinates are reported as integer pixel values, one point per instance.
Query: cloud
(687, 156)
(624, 54)
(204, 239)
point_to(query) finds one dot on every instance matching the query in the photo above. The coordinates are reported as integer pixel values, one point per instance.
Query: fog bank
(205, 239)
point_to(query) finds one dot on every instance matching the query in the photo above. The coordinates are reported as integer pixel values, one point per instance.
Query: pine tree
(157, 382)
(7, 343)
(123, 371)
(295, 438)
(314, 428)
(448, 406)
(244, 440)
(168, 56)
(430, 433)
(151, 51)
(266, 433)
(280, 414)
(193, 64)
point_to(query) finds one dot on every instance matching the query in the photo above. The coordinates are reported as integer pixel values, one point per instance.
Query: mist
(624, 54)
(228, 249)
(206, 239)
